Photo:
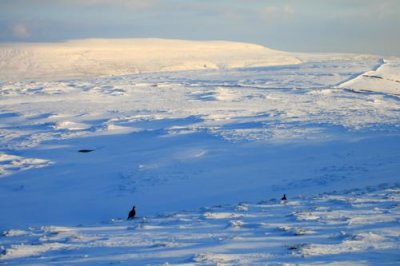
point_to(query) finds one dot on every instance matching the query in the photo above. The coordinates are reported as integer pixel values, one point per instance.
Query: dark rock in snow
(85, 150)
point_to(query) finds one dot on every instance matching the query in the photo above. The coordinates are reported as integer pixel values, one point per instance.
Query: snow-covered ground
(355, 227)
(175, 143)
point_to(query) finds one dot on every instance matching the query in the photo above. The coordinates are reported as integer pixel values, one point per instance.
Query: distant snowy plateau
(204, 138)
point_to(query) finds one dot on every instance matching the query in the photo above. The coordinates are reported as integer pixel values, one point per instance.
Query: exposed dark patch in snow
(85, 150)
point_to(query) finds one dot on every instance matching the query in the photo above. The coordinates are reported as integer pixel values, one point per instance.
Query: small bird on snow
(132, 213)
(284, 197)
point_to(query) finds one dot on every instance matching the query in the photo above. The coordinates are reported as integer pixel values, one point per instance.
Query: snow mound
(93, 57)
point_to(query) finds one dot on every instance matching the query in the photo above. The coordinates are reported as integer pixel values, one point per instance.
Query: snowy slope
(126, 56)
(176, 142)
(384, 78)
(356, 227)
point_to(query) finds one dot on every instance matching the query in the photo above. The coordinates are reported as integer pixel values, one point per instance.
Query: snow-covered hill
(126, 56)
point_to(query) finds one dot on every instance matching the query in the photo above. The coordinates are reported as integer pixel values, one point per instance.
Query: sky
(361, 26)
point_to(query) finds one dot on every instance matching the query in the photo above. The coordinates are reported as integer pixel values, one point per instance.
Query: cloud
(274, 11)
(20, 30)
(133, 4)
(24, 6)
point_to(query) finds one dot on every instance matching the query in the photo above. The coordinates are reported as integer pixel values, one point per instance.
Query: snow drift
(90, 57)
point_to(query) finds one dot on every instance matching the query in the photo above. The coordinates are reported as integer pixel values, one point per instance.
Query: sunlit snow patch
(10, 164)
(69, 125)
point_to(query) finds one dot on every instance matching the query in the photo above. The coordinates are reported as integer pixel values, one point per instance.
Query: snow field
(355, 227)
(236, 123)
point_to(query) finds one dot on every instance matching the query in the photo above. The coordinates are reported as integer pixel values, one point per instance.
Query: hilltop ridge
(105, 57)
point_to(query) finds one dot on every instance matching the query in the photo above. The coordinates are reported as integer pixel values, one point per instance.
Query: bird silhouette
(132, 213)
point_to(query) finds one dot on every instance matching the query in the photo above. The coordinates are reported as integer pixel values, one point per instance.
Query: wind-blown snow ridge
(384, 77)
(351, 79)
(127, 56)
